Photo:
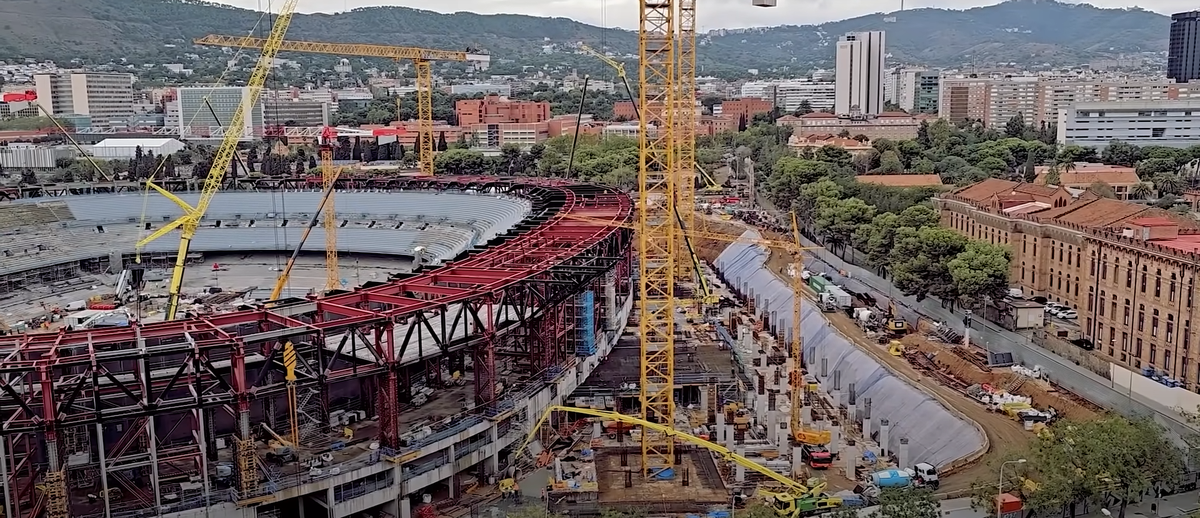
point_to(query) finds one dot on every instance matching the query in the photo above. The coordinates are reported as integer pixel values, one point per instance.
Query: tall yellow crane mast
(189, 222)
(420, 57)
(685, 128)
(333, 279)
(656, 226)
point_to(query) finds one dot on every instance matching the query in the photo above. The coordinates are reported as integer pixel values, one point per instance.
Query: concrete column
(405, 507)
(835, 436)
(851, 418)
(902, 459)
(760, 407)
(797, 462)
(740, 473)
(597, 429)
(884, 429)
(824, 368)
(850, 456)
(492, 463)
(729, 436)
(806, 415)
(704, 402)
(720, 427)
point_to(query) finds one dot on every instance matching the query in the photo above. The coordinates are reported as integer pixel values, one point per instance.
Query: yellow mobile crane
(189, 222)
(793, 500)
(420, 57)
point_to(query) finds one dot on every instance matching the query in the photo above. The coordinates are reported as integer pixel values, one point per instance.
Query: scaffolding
(247, 464)
(55, 487)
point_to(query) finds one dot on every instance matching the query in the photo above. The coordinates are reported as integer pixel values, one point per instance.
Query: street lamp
(1000, 486)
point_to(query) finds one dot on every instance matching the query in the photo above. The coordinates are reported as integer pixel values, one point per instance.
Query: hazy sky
(711, 14)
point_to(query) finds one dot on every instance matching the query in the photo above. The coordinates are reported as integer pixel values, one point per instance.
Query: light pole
(1000, 486)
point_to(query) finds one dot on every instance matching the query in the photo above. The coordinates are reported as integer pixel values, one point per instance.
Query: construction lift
(189, 222)
(791, 500)
(420, 57)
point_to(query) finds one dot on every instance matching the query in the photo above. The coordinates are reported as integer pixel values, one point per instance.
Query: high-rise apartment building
(196, 120)
(790, 94)
(859, 75)
(1183, 53)
(915, 90)
(106, 98)
(995, 101)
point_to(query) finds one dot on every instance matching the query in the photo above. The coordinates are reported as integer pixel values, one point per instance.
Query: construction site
(420, 345)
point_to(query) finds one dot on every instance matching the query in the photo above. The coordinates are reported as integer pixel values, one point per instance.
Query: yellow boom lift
(420, 57)
(189, 222)
(792, 500)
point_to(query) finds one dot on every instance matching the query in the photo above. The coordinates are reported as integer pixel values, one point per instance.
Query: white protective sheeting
(935, 434)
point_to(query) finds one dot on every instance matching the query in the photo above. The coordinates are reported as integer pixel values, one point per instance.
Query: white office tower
(860, 79)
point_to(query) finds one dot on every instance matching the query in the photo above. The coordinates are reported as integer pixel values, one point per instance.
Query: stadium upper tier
(439, 225)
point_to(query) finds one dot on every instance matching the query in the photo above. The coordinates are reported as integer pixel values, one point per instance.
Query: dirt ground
(1004, 434)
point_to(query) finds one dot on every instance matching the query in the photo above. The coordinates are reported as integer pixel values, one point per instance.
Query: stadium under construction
(412, 386)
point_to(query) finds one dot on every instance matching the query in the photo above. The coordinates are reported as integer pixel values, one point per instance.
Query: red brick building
(494, 109)
(747, 106)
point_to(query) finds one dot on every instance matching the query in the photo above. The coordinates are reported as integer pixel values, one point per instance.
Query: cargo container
(818, 283)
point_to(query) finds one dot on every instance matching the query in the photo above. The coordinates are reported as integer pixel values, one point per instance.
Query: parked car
(1067, 314)
(1052, 307)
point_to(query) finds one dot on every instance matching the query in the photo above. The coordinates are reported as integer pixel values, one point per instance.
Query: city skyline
(716, 14)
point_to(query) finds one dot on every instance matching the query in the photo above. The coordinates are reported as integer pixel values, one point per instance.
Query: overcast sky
(712, 14)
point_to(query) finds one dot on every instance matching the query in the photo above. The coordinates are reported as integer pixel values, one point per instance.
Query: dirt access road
(1004, 434)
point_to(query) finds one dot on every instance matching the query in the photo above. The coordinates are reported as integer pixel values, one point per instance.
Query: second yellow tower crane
(420, 57)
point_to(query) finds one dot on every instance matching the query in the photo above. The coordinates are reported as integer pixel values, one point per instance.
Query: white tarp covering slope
(935, 434)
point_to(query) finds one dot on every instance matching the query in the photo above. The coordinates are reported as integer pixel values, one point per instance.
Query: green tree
(1120, 153)
(1015, 127)
(838, 219)
(1141, 190)
(1103, 189)
(889, 163)
(441, 142)
(804, 108)
(461, 162)
(920, 258)
(980, 273)
(834, 155)
(907, 502)
(1168, 183)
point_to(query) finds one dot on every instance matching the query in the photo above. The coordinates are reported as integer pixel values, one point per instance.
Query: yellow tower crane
(189, 222)
(619, 67)
(420, 57)
(656, 227)
(333, 278)
(658, 173)
(685, 128)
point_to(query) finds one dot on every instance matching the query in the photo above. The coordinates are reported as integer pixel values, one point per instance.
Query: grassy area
(29, 123)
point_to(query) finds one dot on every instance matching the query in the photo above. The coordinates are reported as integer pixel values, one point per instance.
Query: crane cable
(163, 160)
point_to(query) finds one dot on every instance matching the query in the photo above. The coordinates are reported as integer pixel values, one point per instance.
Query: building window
(1170, 328)
(1137, 348)
(1129, 275)
(1154, 324)
(1101, 308)
(1158, 283)
(1142, 284)
(1153, 353)
(1141, 321)
(1104, 267)
(1171, 289)
(1124, 342)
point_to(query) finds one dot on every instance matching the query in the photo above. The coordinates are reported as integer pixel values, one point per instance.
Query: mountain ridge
(1020, 31)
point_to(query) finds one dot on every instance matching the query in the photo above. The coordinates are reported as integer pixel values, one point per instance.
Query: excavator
(790, 499)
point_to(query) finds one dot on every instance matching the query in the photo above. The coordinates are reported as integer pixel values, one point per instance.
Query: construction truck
(817, 456)
(807, 500)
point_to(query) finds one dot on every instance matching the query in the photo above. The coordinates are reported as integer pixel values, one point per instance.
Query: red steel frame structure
(172, 382)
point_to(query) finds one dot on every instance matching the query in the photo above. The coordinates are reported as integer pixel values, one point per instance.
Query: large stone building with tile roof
(1129, 269)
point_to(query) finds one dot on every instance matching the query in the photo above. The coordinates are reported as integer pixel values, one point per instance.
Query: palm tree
(1141, 190)
(1168, 183)
(1052, 174)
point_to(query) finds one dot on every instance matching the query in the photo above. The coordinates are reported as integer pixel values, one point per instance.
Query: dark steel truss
(167, 383)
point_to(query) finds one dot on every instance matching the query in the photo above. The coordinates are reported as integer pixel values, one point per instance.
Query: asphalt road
(1181, 504)
(1065, 373)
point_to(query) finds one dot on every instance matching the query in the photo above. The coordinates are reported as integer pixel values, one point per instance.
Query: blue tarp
(935, 435)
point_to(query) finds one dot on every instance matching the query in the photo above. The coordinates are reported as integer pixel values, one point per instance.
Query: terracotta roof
(901, 180)
(1099, 213)
(788, 117)
(983, 191)
(1153, 222)
(818, 115)
(1086, 178)
(1036, 190)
